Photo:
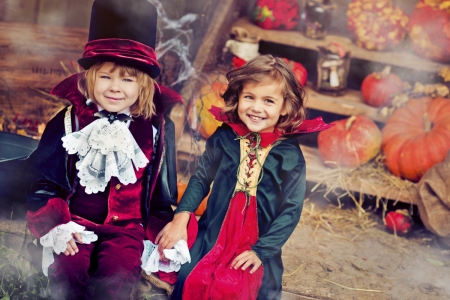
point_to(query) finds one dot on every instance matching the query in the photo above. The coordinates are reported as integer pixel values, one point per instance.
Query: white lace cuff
(56, 241)
(177, 256)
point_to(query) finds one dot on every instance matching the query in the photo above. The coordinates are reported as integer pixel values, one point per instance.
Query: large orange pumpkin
(199, 117)
(201, 208)
(350, 143)
(429, 29)
(417, 136)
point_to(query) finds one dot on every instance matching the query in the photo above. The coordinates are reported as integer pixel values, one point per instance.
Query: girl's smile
(260, 105)
(114, 91)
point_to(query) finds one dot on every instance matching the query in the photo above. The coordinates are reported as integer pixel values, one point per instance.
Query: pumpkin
(379, 88)
(198, 112)
(399, 221)
(299, 70)
(416, 137)
(276, 14)
(181, 187)
(429, 29)
(350, 142)
(376, 24)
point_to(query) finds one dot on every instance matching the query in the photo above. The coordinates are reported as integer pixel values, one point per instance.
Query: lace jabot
(105, 149)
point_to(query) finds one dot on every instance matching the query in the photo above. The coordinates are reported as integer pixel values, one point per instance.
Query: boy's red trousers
(111, 265)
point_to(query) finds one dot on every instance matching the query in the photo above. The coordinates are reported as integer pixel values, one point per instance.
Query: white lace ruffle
(177, 256)
(105, 150)
(56, 241)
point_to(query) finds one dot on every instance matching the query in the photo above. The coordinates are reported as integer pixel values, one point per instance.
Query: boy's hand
(246, 259)
(71, 245)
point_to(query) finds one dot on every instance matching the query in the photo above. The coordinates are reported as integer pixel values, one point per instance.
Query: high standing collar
(164, 98)
(267, 138)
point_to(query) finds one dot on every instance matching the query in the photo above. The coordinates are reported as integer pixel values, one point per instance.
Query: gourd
(376, 24)
(429, 29)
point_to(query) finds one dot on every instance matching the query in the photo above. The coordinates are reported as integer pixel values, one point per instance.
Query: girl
(101, 185)
(258, 172)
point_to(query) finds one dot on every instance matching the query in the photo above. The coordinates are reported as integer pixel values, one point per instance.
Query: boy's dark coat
(50, 159)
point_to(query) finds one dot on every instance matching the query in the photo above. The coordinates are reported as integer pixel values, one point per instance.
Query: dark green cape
(279, 196)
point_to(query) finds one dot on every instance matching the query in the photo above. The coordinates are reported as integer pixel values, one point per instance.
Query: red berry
(398, 222)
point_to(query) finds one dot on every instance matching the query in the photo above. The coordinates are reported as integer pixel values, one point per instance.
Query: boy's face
(114, 92)
(261, 104)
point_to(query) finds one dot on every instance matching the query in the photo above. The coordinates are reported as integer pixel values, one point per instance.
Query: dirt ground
(334, 254)
(339, 254)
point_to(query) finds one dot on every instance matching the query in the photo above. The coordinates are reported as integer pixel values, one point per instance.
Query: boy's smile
(115, 92)
(260, 105)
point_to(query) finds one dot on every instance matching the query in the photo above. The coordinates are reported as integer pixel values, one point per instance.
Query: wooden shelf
(351, 103)
(401, 56)
(187, 150)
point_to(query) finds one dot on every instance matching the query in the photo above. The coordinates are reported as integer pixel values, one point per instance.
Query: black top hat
(122, 31)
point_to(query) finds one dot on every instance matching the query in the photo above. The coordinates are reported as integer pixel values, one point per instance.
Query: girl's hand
(173, 232)
(71, 245)
(246, 259)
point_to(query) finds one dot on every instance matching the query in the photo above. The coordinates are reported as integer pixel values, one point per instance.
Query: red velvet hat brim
(123, 51)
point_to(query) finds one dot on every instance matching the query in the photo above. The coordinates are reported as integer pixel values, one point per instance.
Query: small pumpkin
(276, 14)
(198, 112)
(299, 70)
(350, 142)
(376, 24)
(201, 208)
(379, 88)
(417, 136)
(429, 29)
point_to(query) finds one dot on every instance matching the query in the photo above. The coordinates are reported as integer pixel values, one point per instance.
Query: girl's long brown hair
(144, 105)
(259, 69)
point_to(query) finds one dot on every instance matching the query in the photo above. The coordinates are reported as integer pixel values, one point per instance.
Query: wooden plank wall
(47, 12)
(37, 35)
(30, 57)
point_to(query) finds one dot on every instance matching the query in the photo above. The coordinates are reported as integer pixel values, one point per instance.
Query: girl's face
(114, 92)
(261, 104)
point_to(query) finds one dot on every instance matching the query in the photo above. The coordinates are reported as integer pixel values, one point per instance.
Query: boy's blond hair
(144, 105)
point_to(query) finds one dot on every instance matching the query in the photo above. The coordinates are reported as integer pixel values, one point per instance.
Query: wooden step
(351, 103)
(401, 56)
(316, 170)
(188, 150)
